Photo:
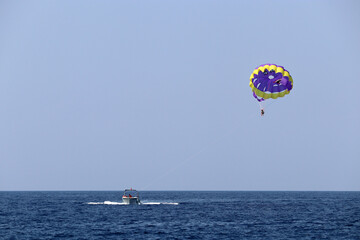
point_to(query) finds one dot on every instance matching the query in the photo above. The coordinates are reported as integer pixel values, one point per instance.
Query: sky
(154, 95)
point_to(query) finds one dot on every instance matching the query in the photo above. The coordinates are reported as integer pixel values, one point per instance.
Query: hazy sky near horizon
(104, 95)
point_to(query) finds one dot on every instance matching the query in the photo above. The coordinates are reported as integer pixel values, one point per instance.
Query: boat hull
(131, 201)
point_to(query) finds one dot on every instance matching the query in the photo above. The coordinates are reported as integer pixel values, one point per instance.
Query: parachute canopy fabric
(270, 81)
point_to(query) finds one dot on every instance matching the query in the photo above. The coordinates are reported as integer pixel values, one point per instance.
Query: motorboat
(131, 196)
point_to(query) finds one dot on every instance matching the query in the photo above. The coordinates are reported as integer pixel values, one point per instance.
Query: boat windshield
(131, 193)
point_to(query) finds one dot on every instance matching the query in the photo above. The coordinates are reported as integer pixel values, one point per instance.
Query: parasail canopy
(270, 81)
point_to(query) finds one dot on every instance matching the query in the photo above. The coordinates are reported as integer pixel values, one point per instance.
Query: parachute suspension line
(264, 104)
(262, 112)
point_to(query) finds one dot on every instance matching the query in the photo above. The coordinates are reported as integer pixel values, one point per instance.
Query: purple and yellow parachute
(270, 81)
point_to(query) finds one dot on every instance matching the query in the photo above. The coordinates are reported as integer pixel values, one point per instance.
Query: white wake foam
(106, 203)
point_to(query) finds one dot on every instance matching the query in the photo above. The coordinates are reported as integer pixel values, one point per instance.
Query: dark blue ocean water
(180, 215)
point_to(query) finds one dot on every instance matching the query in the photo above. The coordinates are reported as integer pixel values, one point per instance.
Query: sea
(180, 215)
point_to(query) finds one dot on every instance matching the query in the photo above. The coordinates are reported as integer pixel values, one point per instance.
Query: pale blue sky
(103, 95)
